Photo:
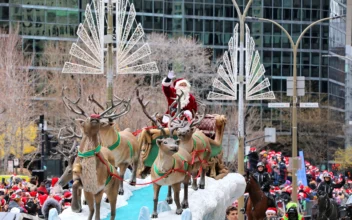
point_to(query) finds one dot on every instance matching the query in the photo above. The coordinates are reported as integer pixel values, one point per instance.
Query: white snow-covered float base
(207, 204)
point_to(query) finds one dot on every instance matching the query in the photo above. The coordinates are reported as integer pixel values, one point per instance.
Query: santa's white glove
(165, 119)
(188, 113)
(171, 74)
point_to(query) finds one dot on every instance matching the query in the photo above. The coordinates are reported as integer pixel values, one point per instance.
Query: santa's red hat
(15, 187)
(252, 149)
(33, 194)
(271, 210)
(67, 195)
(54, 181)
(42, 198)
(177, 83)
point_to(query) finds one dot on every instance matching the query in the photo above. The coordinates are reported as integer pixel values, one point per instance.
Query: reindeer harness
(165, 175)
(93, 153)
(117, 144)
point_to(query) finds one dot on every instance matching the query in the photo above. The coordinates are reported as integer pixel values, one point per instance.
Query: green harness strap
(117, 143)
(110, 177)
(185, 164)
(131, 148)
(195, 143)
(90, 153)
(156, 170)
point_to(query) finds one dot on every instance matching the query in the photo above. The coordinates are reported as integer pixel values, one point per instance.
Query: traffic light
(50, 143)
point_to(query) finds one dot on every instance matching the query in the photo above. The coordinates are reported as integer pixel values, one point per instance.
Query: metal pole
(240, 154)
(43, 146)
(295, 98)
(110, 73)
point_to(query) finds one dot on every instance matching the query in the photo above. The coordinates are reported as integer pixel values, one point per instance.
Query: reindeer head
(67, 176)
(92, 124)
(109, 119)
(166, 144)
(186, 131)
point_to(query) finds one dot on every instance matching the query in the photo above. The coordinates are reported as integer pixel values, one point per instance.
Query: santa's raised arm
(173, 87)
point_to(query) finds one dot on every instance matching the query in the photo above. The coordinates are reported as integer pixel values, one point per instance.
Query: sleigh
(212, 126)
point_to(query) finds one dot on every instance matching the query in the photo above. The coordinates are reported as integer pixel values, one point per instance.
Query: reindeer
(90, 167)
(171, 165)
(123, 144)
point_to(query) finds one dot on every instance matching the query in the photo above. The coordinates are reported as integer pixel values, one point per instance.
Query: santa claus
(173, 88)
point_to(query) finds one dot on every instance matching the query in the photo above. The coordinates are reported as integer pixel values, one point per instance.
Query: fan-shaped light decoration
(132, 52)
(227, 79)
(257, 85)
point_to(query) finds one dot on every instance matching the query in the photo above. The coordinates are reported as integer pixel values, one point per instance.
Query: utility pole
(110, 73)
(42, 158)
(241, 145)
(294, 46)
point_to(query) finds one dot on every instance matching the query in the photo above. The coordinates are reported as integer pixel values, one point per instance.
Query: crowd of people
(31, 197)
(271, 170)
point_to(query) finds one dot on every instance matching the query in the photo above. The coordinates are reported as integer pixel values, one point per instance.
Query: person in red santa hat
(67, 199)
(173, 88)
(271, 213)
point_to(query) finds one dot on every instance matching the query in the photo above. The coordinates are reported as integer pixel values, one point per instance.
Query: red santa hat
(271, 210)
(54, 181)
(33, 194)
(15, 187)
(67, 195)
(252, 149)
(42, 198)
(177, 83)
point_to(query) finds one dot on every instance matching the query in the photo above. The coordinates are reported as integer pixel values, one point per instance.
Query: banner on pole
(301, 173)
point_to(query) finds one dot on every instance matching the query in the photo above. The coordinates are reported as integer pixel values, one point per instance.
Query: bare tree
(17, 91)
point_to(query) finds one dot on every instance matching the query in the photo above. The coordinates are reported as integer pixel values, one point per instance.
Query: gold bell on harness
(77, 168)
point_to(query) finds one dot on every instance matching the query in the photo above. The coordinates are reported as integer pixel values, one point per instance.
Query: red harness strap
(140, 184)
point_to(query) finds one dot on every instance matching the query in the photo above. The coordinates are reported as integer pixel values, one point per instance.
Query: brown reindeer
(88, 167)
(123, 144)
(171, 165)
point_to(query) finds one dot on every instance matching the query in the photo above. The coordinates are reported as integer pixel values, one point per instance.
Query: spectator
(292, 212)
(231, 213)
(42, 188)
(48, 205)
(271, 213)
(16, 203)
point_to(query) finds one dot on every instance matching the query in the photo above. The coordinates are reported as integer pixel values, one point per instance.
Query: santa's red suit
(171, 89)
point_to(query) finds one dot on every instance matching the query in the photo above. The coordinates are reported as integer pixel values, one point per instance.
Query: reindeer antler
(71, 130)
(75, 103)
(197, 119)
(152, 118)
(126, 109)
(92, 99)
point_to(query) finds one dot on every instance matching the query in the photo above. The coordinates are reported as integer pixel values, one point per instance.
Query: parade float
(195, 144)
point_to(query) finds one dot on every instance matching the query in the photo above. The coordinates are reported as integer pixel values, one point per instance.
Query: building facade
(212, 22)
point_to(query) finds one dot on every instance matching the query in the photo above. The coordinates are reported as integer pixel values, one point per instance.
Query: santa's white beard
(186, 94)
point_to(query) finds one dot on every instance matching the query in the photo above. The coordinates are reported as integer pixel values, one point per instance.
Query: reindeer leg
(123, 168)
(202, 178)
(194, 181)
(76, 203)
(112, 196)
(177, 187)
(90, 200)
(155, 200)
(184, 203)
(169, 198)
(134, 171)
(98, 197)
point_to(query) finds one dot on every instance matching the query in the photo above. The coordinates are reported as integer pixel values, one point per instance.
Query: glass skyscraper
(212, 22)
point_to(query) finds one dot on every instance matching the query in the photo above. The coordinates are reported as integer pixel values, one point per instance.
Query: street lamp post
(240, 153)
(294, 47)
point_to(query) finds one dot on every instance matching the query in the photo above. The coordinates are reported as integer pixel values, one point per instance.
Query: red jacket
(170, 93)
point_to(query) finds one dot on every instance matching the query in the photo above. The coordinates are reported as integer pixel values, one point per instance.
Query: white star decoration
(257, 85)
(132, 52)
